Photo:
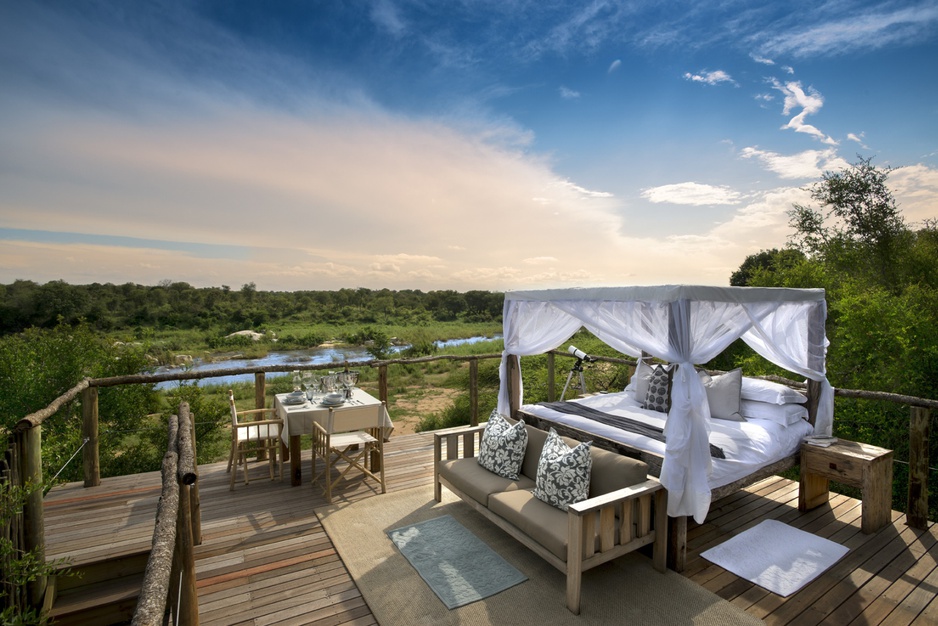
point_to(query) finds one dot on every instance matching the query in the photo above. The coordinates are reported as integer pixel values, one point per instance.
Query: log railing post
(28, 442)
(91, 459)
(551, 378)
(383, 383)
(188, 597)
(260, 391)
(474, 392)
(917, 505)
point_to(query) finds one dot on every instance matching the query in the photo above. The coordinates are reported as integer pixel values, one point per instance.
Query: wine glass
(308, 384)
(297, 380)
(351, 382)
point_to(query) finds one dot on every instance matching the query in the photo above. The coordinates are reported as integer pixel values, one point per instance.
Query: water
(314, 356)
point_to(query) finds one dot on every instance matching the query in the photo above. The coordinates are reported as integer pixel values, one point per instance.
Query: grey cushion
(658, 396)
(723, 394)
(477, 482)
(545, 524)
(502, 447)
(532, 455)
(563, 473)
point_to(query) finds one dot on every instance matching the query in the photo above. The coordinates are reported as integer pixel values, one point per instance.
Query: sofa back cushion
(532, 453)
(613, 471)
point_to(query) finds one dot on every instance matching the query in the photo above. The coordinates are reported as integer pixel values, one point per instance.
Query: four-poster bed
(686, 326)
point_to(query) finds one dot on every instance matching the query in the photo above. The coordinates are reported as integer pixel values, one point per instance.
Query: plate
(328, 402)
(291, 399)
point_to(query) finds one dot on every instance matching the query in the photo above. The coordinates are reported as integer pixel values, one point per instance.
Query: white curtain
(683, 325)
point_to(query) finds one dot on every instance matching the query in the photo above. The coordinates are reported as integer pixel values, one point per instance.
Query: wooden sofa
(624, 511)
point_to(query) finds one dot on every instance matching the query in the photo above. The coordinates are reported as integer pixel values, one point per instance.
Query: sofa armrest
(609, 525)
(446, 445)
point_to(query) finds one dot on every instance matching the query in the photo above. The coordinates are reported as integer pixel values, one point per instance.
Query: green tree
(857, 225)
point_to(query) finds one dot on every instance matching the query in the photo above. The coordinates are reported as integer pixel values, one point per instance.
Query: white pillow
(784, 414)
(638, 385)
(760, 390)
(723, 394)
(563, 473)
(503, 445)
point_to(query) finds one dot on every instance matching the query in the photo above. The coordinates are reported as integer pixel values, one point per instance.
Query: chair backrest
(234, 409)
(348, 419)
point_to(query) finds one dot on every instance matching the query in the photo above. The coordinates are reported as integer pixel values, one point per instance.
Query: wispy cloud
(807, 164)
(695, 194)
(858, 139)
(761, 59)
(863, 31)
(568, 94)
(614, 66)
(714, 77)
(809, 102)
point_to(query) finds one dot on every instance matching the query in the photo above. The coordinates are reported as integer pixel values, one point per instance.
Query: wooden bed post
(514, 384)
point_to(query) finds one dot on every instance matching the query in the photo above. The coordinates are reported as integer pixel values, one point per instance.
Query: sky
(449, 144)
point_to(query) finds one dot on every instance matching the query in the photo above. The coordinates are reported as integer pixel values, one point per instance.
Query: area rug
(776, 556)
(456, 564)
(627, 590)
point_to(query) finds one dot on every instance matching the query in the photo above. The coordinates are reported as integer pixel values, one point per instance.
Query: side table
(855, 464)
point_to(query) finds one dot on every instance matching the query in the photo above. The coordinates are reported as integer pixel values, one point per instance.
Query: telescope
(579, 354)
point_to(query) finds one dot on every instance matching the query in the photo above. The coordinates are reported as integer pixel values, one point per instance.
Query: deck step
(104, 592)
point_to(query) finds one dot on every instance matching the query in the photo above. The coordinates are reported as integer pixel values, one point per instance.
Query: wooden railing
(169, 581)
(27, 432)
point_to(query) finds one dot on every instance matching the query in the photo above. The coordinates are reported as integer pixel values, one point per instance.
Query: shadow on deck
(265, 558)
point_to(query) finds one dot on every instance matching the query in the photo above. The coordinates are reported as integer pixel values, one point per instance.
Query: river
(316, 356)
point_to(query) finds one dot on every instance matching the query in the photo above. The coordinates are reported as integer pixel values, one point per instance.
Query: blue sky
(444, 145)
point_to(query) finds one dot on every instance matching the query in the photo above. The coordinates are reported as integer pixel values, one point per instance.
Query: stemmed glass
(297, 380)
(308, 382)
(349, 380)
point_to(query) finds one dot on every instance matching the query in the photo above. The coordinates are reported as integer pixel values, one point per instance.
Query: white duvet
(748, 446)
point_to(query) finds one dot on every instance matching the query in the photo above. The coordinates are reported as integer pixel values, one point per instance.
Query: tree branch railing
(27, 432)
(168, 588)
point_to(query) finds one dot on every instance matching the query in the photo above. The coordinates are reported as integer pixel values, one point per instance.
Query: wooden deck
(266, 560)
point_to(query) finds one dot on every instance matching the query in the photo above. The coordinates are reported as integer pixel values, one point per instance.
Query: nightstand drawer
(834, 467)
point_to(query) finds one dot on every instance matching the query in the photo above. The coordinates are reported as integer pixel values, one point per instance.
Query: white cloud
(809, 101)
(694, 194)
(860, 31)
(760, 59)
(807, 164)
(915, 188)
(710, 78)
(614, 66)
(568, 94)
(385, 14)
(858, 139)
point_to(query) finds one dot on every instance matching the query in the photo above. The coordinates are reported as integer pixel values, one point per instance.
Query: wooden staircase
(99, 592)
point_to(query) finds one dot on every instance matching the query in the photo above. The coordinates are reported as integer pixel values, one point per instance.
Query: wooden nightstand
(854, 464)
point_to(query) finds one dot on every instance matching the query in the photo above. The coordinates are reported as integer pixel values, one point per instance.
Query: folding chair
(350, 434)
(250, 436)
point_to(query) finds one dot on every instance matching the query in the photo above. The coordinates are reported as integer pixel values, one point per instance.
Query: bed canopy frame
(683, 324)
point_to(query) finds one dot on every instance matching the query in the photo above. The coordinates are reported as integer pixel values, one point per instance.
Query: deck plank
(265, 558)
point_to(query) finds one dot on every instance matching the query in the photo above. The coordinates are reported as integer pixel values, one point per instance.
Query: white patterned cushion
(658, 396)
(502, 447)
(563, 473)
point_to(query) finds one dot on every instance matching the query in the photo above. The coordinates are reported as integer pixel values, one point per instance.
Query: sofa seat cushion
(478, 483)
(545, 524)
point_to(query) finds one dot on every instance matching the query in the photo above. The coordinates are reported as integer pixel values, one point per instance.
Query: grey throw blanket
(618, 421)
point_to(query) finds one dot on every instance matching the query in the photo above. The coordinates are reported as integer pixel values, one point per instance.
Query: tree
(857, 224)
(765, 261)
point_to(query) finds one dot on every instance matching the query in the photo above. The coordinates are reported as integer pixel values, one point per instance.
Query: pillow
(766, 391)
(784, 414)
(563, 473)
(502, 447)
(639, 383)
(723, 394)
(658, 396)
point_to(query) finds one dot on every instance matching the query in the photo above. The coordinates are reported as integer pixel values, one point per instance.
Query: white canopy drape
(686, 325)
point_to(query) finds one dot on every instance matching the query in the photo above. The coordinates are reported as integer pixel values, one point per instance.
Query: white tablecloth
(298, 418)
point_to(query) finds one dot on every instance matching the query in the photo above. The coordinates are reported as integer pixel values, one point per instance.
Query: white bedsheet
(748, 446)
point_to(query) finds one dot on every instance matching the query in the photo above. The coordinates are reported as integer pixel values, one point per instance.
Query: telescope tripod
(578, 368)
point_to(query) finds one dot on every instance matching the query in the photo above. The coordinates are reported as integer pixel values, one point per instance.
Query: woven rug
(776, 556)
(626, 591)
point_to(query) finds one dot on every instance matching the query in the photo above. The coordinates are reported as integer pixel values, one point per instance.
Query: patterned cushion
(563, 474)
(502, 447)
(658, 396)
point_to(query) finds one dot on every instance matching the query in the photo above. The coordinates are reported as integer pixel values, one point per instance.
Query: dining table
(298, 418)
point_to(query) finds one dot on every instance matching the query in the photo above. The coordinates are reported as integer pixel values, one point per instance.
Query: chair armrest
(259, 423)
(255, 411)
(612, 498)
